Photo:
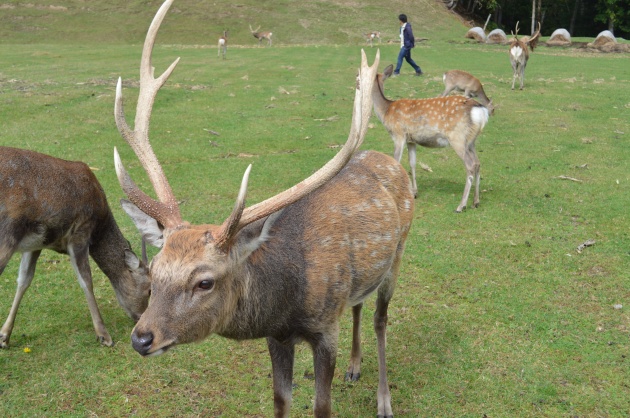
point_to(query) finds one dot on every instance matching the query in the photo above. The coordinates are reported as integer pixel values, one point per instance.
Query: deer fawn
(432, 123)
(519, 54)
(222, 47)
(48, 203)
(462, 81)
(261, 35)
(283, 269)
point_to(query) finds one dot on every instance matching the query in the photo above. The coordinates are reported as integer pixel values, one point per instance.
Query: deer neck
(381, 103)
(108, 251)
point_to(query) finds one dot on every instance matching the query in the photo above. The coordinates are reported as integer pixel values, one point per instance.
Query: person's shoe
(418, 73)
(395, 75)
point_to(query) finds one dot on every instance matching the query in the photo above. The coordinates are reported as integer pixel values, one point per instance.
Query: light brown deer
(48, 203)
(433, 123)
(222, 46)
(469, 84)
(371, 36)
(519, 54)
(283, 269)
(261, 35)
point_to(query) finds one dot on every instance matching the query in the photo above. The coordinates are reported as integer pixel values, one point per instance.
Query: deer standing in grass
(261, 35)
(373, 35)
(471, 86)
(222, 46)
(48, 203)
(283, 269)
(519, 54)
(433, 123)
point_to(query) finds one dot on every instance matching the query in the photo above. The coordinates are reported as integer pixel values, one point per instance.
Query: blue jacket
(408, 39)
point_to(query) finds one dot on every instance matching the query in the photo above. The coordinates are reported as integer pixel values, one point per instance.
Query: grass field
(496, 313)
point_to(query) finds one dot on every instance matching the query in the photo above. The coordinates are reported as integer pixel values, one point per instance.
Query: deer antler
(242, 216)
(166, 211)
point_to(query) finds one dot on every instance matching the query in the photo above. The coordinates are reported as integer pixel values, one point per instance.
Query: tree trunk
(576, 7)
(533, 16)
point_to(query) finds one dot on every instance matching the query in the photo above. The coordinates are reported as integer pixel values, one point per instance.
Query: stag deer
(437, 122)
(48, 203)
(462, 81)
(519, 54)
(261, 35)
(373, 35)
(222, 47)
(283, 269)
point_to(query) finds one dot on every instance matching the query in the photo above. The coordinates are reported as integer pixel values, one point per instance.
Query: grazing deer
(261, 35)
(373, 35)
(222, 47)
(48, 203)
(462, 81)
(519, 54)
(432, 123)
(283, 269)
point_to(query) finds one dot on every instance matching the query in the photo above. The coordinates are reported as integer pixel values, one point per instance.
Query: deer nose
(141, 342)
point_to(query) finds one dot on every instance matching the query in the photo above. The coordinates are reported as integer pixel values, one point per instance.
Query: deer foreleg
(81, 265)
(411, 151)
(324, 360)
(354, 369)
(25, 277)
(282, 357)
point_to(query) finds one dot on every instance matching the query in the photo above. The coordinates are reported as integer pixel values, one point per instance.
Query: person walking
(407, 42)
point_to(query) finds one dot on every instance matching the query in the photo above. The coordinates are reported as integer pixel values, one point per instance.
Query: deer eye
(206, 284)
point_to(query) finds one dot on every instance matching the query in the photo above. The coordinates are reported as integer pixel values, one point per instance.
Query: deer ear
(149, 228)
(388, 72)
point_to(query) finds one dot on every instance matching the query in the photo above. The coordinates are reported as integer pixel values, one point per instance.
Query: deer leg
(25, 277)
(282, 357)
(385, 292)
(81, 265)
(324, 360)
(411, 153)
(463, 151)
(522, 75)
(354, 370)
(476, 169)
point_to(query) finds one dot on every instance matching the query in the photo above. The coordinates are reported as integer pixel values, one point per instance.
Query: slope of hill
(318, 22)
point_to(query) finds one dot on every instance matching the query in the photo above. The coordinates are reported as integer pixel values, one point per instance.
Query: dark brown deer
(261, 35)
(284, 269)
(49, 203)
(222, 45)
(433, 123)
(519, 54)
(459, 80)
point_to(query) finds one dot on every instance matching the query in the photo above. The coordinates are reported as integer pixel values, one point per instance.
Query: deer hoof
(385, 416)
(352, 377)
(4, 341)
(105, 340)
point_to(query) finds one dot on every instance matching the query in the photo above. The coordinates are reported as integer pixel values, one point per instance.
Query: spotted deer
(458, 80)
(222, 46)
(284, 269)
(261, 35)
(49, 203)
(519, 54)
(433, 123)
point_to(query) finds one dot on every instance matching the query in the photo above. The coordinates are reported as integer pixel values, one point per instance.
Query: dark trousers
(406, 54)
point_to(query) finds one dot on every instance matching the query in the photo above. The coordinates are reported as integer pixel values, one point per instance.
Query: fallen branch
(210, 131)
(569, 178)
(585, 244)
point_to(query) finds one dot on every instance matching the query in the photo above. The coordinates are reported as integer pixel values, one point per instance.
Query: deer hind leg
(282, 357)
(385, 293)
(324, 360)
(468, 155)
(81, 265)
(25, 277)
(354, 369)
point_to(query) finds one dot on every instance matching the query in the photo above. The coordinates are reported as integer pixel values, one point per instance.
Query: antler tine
(241, 217)
(166, 211)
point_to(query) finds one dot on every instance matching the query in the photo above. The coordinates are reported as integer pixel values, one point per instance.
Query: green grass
(496, 312)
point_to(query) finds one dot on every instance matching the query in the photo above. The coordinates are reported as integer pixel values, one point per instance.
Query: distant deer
(222, 47)
(433, 123)
(373, 35)
(283, 269)
(519, 54)
(471, 86)
(48, 203)
(261, 35)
